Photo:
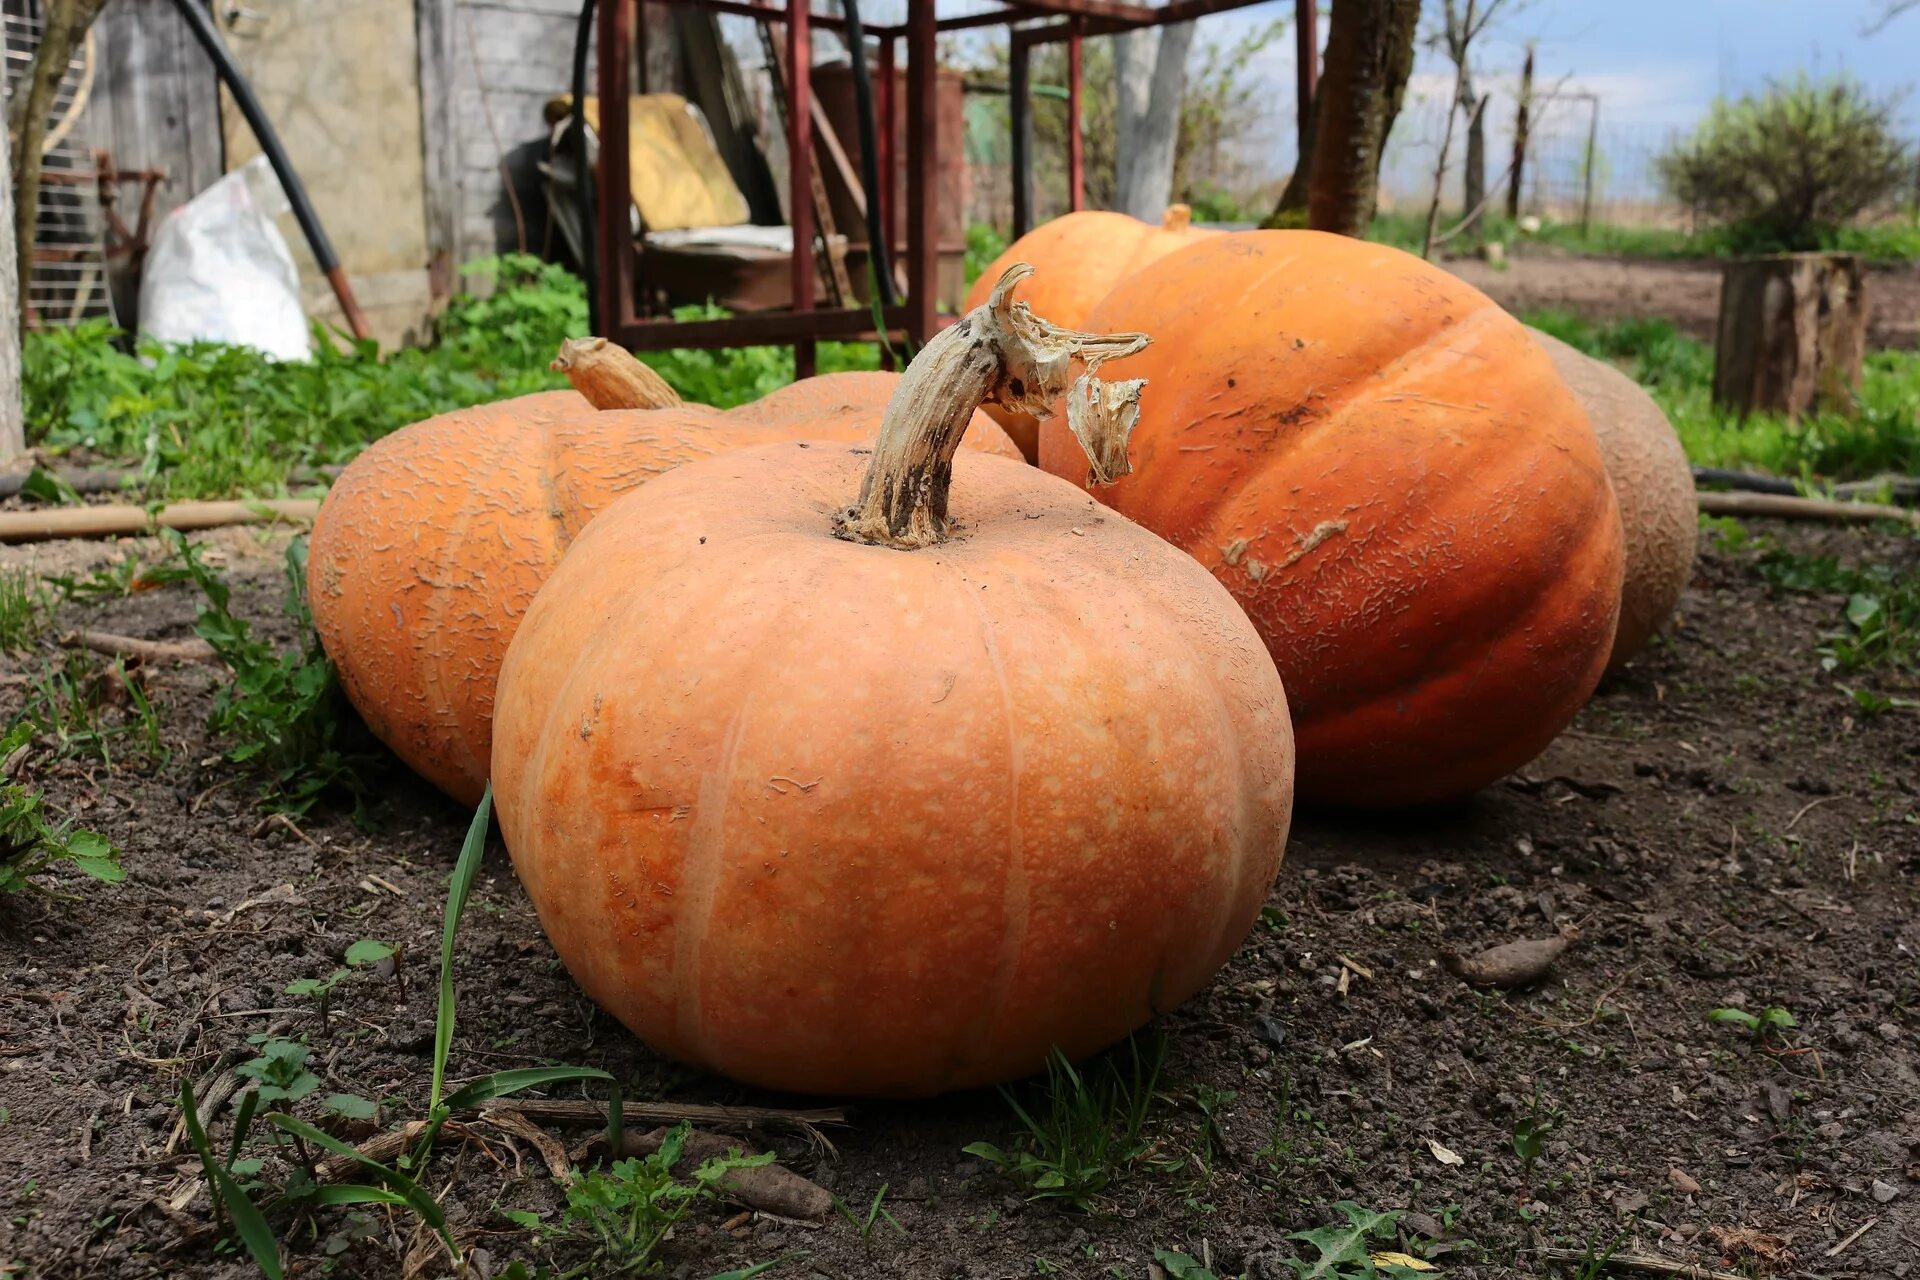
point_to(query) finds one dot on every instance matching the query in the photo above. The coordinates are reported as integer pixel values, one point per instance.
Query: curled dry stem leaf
(610, 378)
(1000, 351)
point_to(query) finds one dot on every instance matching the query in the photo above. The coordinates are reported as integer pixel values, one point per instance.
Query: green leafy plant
(365, 952)
(1531, 1131)
(1770, 1023)
(1179, 1266)
(124, 576)
(213, 421)
(1784, 170)
(31, 844)
(282, 1076)
(283, 712)
(631, 1206)
(1344, 1249)
(1082, 1130)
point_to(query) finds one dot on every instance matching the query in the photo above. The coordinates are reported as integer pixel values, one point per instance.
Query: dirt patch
(1722, 826)
(1685, 293)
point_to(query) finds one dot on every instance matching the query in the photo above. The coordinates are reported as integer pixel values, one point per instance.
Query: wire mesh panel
(68, 281)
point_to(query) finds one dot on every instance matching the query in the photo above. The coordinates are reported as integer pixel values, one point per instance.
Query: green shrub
(1787, 170)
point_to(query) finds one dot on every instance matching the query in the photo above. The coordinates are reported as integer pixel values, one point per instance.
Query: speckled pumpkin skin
(1653, 483)
(1078, 257)
(836, 818)
(432, 544)
(1388, 475)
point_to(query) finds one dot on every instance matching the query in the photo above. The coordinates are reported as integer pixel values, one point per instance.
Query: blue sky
(1656, 66)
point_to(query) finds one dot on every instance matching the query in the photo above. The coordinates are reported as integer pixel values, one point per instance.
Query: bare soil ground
(1685, 293)
(1722, 825)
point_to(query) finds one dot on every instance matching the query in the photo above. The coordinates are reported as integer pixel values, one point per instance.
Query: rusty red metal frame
(619, 264)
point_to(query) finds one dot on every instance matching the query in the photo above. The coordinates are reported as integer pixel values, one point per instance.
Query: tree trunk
(13, 440)
(67, 23)
(1792, 334)
(1291, 211)
(1150, 79)
(1369, 57)
(1473, 178)
(1522, 121)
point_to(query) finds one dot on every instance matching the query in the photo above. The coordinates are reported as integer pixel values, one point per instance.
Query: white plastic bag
(220, 271)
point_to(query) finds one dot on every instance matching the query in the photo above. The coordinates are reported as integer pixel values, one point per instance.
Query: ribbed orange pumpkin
(432, 544)
(1653, 483)
(834, 803)
(1384, 469)
(1078, 258)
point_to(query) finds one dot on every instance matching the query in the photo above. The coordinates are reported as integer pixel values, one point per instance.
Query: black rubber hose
(203, 29)
(582, 180)
(877, 256)
(1743, 480)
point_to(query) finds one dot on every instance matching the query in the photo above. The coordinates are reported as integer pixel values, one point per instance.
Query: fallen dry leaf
(1759, 1245)
(1685, 1185)
(1443, 1155)
(1390, 1259)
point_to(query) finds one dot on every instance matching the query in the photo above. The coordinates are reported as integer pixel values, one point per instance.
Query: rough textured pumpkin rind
(1653, 483)
(1079, 258)
(830, 817)
(1386, 472)
(431, 545)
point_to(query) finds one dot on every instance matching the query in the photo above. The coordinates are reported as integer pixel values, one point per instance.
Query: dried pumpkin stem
(999, 351)
(610, 378)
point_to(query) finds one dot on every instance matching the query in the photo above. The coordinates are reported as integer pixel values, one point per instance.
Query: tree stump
(1792, 334)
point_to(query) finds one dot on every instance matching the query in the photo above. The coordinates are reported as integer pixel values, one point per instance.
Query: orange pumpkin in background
(1078, 258)
(433, 542)
(1653, 483)
(1386, 472)
(828, 800)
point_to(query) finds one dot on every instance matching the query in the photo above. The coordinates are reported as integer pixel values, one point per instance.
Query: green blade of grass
(472, 851)
(247, 1220)
(358, 1193)
(242, 1122)
(502, 1083)
(415, 1196)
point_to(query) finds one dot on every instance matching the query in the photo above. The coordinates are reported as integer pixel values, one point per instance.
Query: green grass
(207, 421)
(1894, 243)
(1678, 371)
(1082, 1129)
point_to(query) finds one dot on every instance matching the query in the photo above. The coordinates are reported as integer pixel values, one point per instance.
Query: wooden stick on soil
(385, 1146)
(1642, 1262)
(1787, 508)
(155, 651)
(126, 521)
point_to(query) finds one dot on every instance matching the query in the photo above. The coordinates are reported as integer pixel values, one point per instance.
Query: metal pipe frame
(618, 263)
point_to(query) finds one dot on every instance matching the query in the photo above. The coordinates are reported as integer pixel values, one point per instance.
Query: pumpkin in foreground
(1078, 258)
(1653, 483)
(1387, 473)
(431, 545)
(890, 799)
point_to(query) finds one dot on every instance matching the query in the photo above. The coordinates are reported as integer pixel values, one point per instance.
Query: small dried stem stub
(999, 352)
(610, 378)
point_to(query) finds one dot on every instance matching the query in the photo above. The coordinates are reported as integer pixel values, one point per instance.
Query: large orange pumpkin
(1653, 483)
(433, 542)
(1078, 258)
(1387, 473)
(839, 803)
